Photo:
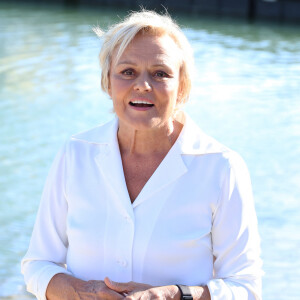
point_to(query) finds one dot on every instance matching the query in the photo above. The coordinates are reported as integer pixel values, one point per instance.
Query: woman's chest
(166, 237)
(137, 172)
(168, 225)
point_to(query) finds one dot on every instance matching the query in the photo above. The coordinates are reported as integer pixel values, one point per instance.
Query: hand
(96, 290)
(63, 286)
(140, 291)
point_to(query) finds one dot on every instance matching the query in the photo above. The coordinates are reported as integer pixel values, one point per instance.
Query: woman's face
(144, 83)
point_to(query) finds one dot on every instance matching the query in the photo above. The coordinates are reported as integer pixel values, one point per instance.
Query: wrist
(197, 292)
(185, 292)
(63, 286)
(176, 294)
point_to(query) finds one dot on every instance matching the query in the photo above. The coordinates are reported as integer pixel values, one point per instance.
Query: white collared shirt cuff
(39, 287)
(221, 289)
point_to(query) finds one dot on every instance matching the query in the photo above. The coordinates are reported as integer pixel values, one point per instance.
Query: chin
(145, 124)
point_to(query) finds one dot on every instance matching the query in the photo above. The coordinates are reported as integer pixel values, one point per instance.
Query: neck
(150, 141)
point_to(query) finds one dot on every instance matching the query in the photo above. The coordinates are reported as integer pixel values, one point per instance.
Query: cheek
(171, 91)
(119, 91)
(170, 87)
(118, 85)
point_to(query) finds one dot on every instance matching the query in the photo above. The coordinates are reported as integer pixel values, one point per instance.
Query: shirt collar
(191, 141)
(105, 134)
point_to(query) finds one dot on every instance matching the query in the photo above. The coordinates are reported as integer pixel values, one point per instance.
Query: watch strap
(185, 292)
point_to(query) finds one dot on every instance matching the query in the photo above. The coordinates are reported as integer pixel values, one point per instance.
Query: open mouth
(140, 104)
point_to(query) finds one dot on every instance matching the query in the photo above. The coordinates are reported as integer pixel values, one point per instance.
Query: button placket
(125, 238)
(127, 218)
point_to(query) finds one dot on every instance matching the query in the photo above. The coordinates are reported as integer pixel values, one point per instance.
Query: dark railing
(277, 10)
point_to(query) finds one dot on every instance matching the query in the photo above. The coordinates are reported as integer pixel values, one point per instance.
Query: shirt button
(128, 219)
(123, 263)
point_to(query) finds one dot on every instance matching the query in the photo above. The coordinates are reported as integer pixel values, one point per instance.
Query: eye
(161, 74)
(128, 72)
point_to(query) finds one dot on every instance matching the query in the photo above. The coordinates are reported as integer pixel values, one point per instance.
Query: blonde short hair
(147, 22)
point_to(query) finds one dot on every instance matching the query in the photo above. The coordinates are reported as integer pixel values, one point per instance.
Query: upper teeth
(140, 102)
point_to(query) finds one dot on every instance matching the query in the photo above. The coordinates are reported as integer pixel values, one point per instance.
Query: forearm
(63, 287)
(200, 293)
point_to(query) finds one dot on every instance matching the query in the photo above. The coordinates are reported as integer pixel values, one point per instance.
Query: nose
(142, 83)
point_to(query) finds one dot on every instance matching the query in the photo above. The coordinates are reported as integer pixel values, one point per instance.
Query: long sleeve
(46, 255)
(235, 238)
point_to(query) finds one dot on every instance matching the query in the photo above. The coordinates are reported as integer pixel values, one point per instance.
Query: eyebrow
(127, 62)
(161, 65)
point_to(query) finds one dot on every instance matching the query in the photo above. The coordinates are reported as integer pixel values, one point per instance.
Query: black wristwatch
(185, 292)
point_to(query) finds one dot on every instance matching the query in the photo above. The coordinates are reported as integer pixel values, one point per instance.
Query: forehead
(152, 49)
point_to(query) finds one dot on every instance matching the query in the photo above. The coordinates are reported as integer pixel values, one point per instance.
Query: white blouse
(193, 223)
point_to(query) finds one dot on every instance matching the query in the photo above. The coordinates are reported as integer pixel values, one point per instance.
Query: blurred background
(246, 94)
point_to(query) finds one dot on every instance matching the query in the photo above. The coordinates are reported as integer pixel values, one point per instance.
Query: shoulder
(194, 140)
(87, 144)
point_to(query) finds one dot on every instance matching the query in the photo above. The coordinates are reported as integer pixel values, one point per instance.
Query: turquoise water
(246, 94)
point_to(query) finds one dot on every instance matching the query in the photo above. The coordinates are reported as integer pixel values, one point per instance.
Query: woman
(146, 206)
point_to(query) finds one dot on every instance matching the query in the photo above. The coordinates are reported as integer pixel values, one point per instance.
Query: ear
(181, 86)
(109, 86)
(179, 95)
